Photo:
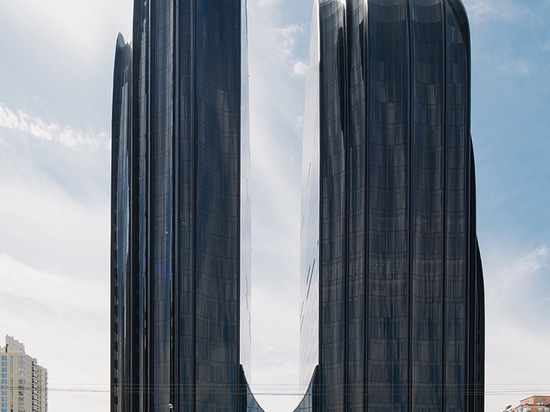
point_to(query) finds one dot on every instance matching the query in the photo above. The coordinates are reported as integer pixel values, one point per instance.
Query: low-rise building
(534, 404)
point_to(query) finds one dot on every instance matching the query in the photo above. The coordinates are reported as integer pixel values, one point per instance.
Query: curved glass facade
(310, 401)
(393, 300)
(180, 263)
(120, 217)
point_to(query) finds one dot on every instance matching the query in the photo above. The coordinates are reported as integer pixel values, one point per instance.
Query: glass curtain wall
(120, 221)
(181, 213)
(399, 284)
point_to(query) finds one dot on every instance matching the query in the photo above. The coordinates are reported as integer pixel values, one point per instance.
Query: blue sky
(55, 104)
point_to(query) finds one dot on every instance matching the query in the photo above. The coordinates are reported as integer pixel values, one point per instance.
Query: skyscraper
(180, 211)
(393, 301)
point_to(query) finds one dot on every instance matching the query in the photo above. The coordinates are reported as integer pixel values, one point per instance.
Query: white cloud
(480, 11)
(45, 289)
(52, 131)
(300, 68)
(517, 67)
(507, 65)
(62, 320)
(277, 92)
(287, 38)
(78, 29)
(275, 334)
(516, 334)
(54, 181)
(266, 3)
(54, 248)
(517, 277)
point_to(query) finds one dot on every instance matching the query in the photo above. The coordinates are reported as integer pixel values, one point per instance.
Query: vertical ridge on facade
(406, 332)
(180, 264)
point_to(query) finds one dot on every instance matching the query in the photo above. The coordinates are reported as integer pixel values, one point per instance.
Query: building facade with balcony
(23, 382)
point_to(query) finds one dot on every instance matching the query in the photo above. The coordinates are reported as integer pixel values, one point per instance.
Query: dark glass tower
(393, 299)
(180, 211)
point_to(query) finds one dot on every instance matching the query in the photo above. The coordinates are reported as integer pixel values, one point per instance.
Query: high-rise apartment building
(180, 264)
(23, 382)
(393, 300)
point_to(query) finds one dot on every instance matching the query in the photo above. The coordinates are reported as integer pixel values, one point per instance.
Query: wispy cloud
(54, 220)
(54, 184)
(300, 68)
(516, 284)
(43, 309)
(517, 67)
(50, 130)
(267, 3)
(79, 30)
(277, 90)
(505, 64)
(480, 11)
(287, 38)
(517, 277)
(275, 360)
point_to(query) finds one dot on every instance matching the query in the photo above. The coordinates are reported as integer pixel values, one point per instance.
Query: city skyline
(55, 118)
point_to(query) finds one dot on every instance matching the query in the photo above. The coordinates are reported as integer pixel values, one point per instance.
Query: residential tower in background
(24, 383)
